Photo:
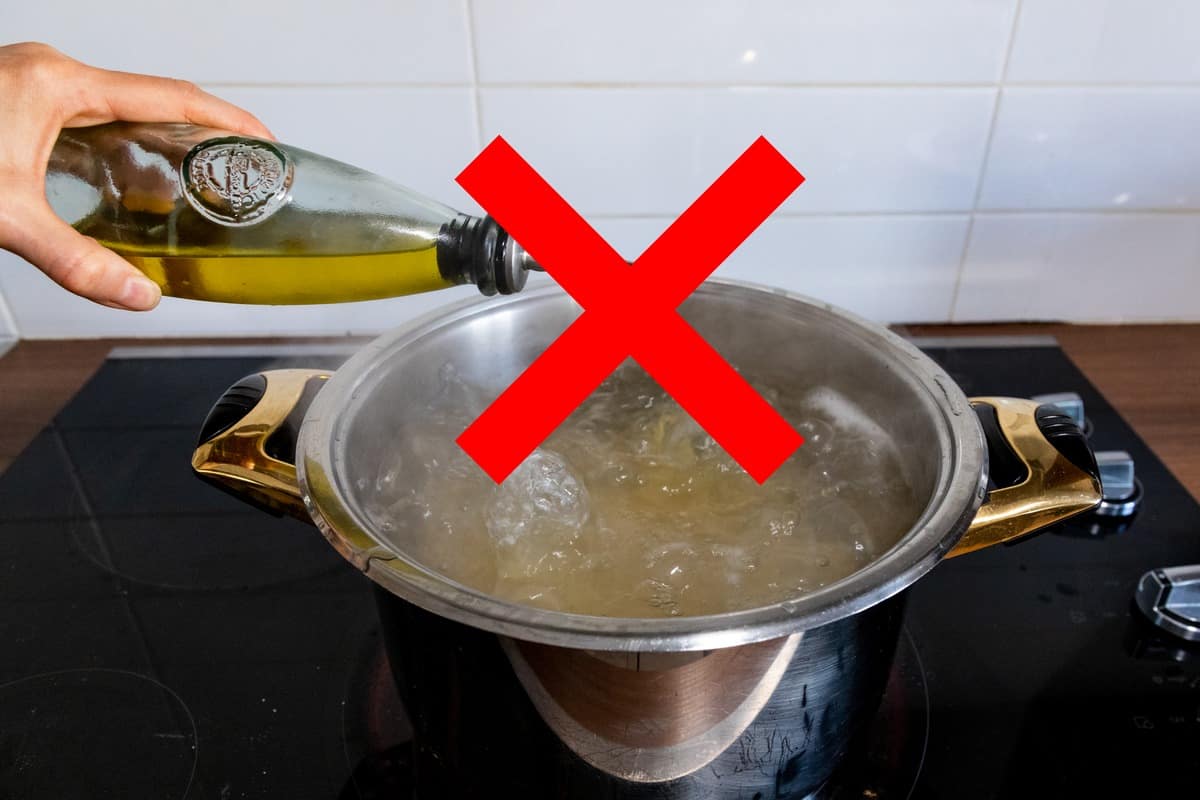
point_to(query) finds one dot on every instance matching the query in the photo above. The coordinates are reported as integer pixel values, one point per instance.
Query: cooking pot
(758, 703)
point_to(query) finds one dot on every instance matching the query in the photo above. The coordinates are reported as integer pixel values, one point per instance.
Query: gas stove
(159, 639)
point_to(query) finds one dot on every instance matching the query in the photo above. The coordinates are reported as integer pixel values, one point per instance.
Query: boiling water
(630, 509)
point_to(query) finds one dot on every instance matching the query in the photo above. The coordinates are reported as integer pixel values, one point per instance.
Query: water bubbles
(631, 509)
(386, 481)
(542, 495)
(535, 516)
(819, 436)
(739, 558)
(672, 563)
(658, 596)
(783, 524)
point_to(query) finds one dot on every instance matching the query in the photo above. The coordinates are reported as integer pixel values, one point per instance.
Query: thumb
(79, 264)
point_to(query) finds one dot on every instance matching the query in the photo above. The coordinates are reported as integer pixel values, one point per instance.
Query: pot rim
(960, 487)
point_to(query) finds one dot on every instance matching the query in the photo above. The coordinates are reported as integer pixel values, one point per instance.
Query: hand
(43, 91)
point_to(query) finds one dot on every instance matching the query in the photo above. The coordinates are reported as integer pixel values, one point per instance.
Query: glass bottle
(208, 215)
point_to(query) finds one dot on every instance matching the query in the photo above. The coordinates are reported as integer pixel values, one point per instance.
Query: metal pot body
(790, 344)
(752, 703)
(498, 717)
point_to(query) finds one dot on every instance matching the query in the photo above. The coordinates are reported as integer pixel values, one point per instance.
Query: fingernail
(139, 294)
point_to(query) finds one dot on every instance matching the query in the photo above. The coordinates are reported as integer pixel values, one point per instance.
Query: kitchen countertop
(1150, 373)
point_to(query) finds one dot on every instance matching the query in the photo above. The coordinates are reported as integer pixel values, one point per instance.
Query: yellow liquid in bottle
(336, 234)
(288, 278)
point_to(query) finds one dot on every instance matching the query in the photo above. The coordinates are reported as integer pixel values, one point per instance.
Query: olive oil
(212, 216)
(290, 279)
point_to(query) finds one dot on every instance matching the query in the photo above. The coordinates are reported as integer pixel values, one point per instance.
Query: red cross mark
(630, 310)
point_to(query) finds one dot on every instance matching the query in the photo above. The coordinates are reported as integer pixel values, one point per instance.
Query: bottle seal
(236, 181)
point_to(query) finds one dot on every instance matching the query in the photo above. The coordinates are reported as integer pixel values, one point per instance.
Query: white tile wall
(766, 41)
(1082, 267)
(1107, 41)
(268, 41)
(419, 137)
(1095, 148)
(1057, 136)
(885, 268)
(652, 151)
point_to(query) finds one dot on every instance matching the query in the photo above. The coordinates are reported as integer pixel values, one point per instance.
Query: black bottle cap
(477, 250)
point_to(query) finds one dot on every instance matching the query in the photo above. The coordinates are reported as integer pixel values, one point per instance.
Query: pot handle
(247, 445)
(1041, 471)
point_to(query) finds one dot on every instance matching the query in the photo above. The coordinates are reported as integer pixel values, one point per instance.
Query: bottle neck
(477, 250)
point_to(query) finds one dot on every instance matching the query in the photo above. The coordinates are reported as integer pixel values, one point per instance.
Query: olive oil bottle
(208, 215)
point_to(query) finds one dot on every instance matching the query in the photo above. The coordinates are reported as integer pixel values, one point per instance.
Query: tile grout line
(832, 85)
(473, 61)
(983, 167)
(932, 212)
(8, 319)
(651, 85)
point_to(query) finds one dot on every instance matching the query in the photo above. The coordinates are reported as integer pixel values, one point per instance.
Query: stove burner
(196, 551)
(95, 733)
(377, 736)
(205, 554)
(888, 761)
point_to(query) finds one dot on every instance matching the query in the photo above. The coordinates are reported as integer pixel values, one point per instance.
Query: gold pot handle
(1041, 469)
(247, 445)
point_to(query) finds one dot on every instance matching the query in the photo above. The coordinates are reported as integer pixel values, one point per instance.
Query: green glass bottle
(210, 215)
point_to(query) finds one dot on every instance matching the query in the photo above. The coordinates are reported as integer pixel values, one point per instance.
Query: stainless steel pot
(757, 703)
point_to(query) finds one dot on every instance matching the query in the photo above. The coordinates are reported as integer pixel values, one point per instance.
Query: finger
(145, 98)
(78, 263)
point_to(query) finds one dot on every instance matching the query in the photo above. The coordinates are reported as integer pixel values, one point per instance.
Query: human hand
(43, 91)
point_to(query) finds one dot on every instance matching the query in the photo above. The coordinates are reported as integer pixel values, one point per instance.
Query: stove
(159, 639)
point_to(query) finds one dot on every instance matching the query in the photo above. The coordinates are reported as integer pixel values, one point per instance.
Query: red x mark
(630, 310)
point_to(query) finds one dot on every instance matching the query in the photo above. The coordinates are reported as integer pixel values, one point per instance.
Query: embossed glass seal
(236, 181)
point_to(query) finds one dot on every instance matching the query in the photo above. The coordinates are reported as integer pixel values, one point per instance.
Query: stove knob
(1070, 404)
(1170, 597)
(1122, 491)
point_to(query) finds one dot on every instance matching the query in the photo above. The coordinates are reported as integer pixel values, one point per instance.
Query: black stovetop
(158, 639)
